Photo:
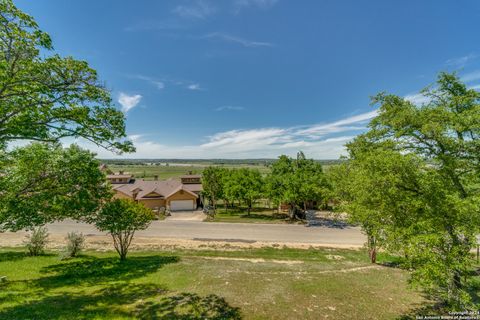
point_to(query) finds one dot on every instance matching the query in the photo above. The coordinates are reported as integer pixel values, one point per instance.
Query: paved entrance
(186, 216)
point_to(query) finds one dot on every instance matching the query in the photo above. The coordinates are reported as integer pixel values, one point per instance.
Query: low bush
(75, 244)
(36, 241)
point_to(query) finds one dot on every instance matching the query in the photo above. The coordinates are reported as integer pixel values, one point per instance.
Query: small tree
(121, 218)
(213, 184)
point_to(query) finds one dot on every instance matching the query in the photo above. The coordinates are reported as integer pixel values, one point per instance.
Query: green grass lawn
(257, 215)
(243, 284)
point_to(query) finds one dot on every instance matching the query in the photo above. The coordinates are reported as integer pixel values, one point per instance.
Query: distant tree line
(206, 162)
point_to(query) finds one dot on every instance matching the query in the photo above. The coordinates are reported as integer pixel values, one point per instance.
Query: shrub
(121, 218)
(75, 243)
(37, 241)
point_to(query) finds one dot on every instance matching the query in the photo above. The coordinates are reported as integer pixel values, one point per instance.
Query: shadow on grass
(12, 256)
(253, 215)
(138, 301)
(436, 308)
(91, 270)
(261, 216)
(18, 255)
(189, 306)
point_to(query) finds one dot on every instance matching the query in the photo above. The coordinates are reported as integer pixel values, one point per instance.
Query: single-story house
(172, 194)
(121, 177)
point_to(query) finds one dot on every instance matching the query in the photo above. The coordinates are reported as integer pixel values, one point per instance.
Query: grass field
(148, 172)
(245, 284)
(166, 169)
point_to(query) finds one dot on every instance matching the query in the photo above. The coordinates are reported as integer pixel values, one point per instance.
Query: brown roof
(191, 176)
(164, 188)
(114, 176)
(194, 187)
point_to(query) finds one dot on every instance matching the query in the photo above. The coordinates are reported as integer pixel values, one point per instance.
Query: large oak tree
(46, 97)
(414, 182)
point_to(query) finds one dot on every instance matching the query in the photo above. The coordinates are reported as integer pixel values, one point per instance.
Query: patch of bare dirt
(309, 272)
(259, 260)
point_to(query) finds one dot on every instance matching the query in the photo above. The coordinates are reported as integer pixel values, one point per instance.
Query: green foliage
(413, 184)
(47, 97)
(75, 244)
(121, 218)
(42, 183)
(243, 184)
(37, 241)
(212, 182)
(296, 182)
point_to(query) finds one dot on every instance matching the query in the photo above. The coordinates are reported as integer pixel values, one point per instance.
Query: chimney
(155, 177)
(120, 172)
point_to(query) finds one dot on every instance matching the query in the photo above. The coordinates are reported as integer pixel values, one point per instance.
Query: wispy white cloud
(233, 108)
(160, 84)
(321, 141)
(194, 86)
(340, 125)
(471, 76)
(196, 10)
(128, 102)
(460, 62)
(417, 98)
(233, 39)
(239, 5)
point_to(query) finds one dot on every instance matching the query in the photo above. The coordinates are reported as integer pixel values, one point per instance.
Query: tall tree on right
(414, 184)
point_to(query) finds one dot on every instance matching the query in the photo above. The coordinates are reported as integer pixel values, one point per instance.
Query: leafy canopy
(243, 184)
(296, 181)
(121, 218)
(47, 97)
(42, 183)
(414, 182)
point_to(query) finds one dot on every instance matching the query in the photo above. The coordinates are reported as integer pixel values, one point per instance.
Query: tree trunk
(291, 211)
(372, 249)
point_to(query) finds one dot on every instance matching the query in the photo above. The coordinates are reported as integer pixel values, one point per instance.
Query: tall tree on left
(42, 183)
(45, 97)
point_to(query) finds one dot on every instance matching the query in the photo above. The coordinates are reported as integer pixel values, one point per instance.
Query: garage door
(179, 205)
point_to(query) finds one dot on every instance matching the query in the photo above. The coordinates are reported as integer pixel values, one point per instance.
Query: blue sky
(259, 78)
